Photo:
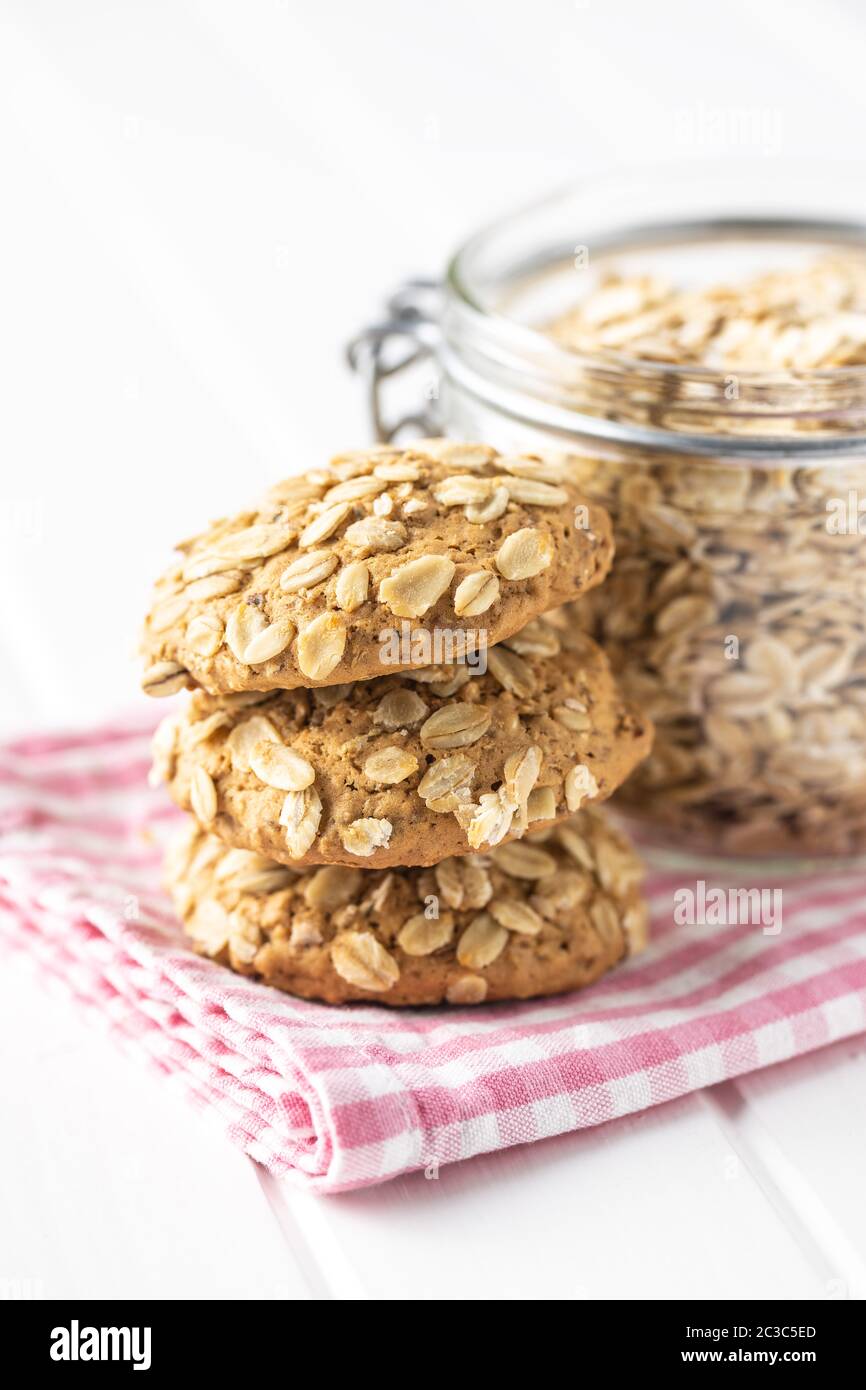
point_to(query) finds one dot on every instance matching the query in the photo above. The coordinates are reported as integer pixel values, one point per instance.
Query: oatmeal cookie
(389, 558)
(548, 914)
(406, 769)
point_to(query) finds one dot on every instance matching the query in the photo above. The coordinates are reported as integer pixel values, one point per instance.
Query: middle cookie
(406, 769)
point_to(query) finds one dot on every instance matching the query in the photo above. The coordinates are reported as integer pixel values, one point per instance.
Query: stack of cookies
(392, 743)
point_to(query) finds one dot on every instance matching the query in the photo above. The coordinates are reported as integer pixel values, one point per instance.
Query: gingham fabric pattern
(341, 1098)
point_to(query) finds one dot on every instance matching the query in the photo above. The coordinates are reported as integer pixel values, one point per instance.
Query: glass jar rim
(807, 411)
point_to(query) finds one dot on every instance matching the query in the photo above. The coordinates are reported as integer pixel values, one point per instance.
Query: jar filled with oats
(698, 354)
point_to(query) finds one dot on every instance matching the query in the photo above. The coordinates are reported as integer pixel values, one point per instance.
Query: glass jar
(736, 610)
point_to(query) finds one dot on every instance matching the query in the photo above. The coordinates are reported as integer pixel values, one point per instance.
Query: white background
(201, 202)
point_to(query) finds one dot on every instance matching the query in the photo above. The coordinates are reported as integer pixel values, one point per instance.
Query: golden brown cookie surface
(408, 769)
(369, 564)
(531, 918)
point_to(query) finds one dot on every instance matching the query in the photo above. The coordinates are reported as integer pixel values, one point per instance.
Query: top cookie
(389, 559)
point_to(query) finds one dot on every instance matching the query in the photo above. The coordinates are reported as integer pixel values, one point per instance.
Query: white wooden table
(200, 202)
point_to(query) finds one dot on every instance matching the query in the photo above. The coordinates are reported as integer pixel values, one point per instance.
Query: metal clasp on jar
(396, 349)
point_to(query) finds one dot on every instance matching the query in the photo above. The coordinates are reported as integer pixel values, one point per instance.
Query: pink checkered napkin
(340, 1098)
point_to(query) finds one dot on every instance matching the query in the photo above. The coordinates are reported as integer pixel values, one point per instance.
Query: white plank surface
(113, 1186)
(651, 1206)
(803, 1127)
(201, 202)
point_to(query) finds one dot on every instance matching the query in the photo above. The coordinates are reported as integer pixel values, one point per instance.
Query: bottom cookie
(542, 915)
